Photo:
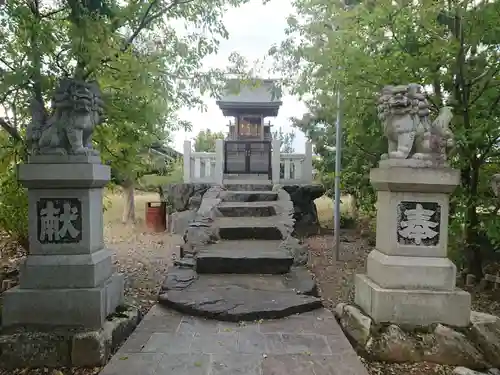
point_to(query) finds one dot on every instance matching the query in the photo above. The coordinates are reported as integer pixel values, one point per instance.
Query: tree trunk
(472, 248)
(354, 206)
(128, 216)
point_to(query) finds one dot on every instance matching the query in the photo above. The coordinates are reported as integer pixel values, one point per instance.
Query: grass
(115, 202)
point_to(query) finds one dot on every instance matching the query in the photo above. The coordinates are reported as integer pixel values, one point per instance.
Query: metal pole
(338, 153)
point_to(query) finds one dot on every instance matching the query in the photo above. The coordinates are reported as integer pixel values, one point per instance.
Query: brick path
(167, 343)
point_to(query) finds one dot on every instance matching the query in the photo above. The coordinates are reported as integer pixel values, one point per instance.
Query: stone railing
(202, 167)
(207, 167)
(291, 168)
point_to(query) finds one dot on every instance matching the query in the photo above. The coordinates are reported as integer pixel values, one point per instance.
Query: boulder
(394, 345)
(447, 346)
(179, 195)
(474, 348)
(466, 371)
(485, 331)
(305, 213)
(355, 324)
(180, 221)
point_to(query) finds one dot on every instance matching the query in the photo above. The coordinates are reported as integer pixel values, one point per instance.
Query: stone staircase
(240, 261)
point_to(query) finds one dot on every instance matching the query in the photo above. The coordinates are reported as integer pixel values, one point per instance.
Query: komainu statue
(404, 112)
(77, 108)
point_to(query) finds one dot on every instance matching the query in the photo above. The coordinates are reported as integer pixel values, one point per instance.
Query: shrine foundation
(409, 279)
(67, 279)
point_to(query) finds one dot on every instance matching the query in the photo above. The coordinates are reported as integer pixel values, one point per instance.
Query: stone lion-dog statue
(405, 115)
(77, 109)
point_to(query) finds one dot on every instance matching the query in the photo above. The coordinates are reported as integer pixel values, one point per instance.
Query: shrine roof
(250, 99)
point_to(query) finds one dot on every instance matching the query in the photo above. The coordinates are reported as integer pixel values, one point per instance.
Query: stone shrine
(409, 279)
(67, 279)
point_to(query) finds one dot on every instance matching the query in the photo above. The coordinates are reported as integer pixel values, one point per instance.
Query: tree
(147, 69)
(286, 140)
(205, 140)
(452, 48)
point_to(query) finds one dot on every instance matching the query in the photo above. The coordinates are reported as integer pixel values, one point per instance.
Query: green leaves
(451, 48)
(205, 140)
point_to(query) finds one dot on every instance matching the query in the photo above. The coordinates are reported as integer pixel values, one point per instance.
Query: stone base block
(83, 307)
(412, 307)
(63, 347)
(66, 271)
(401, 272)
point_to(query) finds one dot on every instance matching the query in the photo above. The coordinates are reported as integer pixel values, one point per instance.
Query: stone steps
(248, 209)
(248, 196)
(244, 257)
(239, 297)
(247, 228)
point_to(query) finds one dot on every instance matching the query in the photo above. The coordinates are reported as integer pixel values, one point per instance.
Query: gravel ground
(143, 257)
(336, 284)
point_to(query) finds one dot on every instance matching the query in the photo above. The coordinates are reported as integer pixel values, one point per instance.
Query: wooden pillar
(187, 161)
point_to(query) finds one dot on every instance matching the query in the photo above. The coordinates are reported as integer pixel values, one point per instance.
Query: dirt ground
(141, 255)
(144, 256)
(336, 284)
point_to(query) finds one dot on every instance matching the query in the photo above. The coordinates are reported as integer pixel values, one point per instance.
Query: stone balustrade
(287, 168)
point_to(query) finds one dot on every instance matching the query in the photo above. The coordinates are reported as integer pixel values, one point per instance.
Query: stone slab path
(168, 343)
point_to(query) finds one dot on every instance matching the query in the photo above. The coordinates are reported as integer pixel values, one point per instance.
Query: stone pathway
(254, 270)
(168, 343)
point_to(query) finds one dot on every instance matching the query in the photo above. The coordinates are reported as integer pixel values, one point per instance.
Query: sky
(253, 28)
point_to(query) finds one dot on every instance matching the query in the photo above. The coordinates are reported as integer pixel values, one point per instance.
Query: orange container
(156, 216)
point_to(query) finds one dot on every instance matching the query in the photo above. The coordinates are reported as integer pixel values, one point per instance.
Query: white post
(287, 169)
(187, 161)
(307, 173)
(219, 161)
(275, 161)
(197, 167)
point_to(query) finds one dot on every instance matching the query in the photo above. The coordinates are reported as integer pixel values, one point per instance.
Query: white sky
(253, 28)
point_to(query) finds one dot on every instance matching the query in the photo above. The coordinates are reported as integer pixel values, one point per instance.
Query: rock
(34, 349)
(234, 303)
(465, 371)
(300, 280)
(493, 371)
(63, 347)
(339, 310)
(449, 347)
(90, 347)
(178, 278)
(297, 249)
(394, 345)
(485, 331)
(194, 203)
(305, 213)
(356, 325)
(185, 262)
(181, 220)
(179, 194)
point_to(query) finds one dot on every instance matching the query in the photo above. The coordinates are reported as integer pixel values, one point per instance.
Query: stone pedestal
(67, 279)
(409, 279)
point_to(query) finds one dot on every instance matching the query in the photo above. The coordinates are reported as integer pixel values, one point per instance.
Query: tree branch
(486, 84)
(13, 132)
(53, 13)
(146, 19)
